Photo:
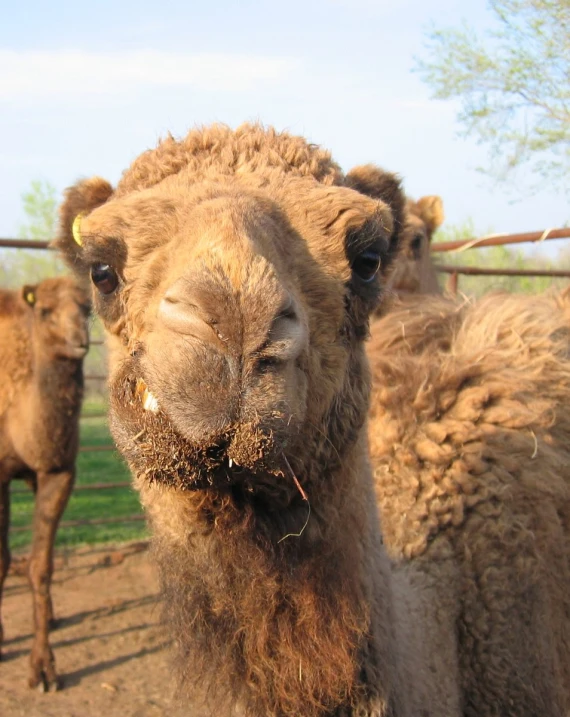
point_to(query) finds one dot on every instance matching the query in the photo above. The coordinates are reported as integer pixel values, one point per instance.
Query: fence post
(452, 283)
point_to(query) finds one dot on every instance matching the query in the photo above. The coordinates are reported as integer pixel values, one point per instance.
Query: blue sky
(84, 88)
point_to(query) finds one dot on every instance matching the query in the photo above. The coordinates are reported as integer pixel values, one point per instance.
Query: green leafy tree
(513, 83)
(40, 208)
(20, 266)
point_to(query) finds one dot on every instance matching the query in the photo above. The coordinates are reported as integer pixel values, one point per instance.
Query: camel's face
(413, 272)
(236, 284)
(408, 270)
(237, 308)
(60, 311)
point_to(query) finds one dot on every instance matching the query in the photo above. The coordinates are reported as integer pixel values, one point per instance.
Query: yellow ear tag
(76, 229)
(31, 298)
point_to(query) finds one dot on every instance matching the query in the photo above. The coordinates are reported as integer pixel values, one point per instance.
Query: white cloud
(73, 72)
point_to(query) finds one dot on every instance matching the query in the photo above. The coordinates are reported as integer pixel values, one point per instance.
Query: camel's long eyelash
(368, 237)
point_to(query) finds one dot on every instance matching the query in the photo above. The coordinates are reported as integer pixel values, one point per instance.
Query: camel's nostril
(185, 318)
(180, 303)
(217, 451)
(265, 364)
(189, 308)
(196, 307)
(285, 339)
(287, 310)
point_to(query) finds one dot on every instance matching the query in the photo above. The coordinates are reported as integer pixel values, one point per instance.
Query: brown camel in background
(44, 339)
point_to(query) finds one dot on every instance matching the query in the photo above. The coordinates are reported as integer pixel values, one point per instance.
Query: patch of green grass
(92, 467)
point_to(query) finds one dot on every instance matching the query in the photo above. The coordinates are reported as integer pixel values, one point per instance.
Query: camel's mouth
(246, 455)
(148, 399)
(73, 351)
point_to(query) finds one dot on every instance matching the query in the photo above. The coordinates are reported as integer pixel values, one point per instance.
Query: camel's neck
(56, 390)
(278, 626)
(273, 614)
(428, 275)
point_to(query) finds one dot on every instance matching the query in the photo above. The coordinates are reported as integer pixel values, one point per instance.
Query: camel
(470, 443)
(235, 273)
(44, 340)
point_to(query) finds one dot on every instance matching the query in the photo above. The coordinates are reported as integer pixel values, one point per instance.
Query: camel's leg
(32, 484)
(52, 622)
(4, 546)
(51, 498)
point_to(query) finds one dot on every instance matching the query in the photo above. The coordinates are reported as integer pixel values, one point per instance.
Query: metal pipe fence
(501, 239)
(85, 523)
(23, 244)
(487, 271)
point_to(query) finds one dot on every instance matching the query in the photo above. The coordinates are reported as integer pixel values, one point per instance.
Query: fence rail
(23, 244)
(501, 239)
(91, 486)
(484, 271)
(86, 523)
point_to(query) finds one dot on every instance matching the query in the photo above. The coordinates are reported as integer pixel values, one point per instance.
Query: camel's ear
(29, 294)
(377, 183)
(81, 199)
(431, 212)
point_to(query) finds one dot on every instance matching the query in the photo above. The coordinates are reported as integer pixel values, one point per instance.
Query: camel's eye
(416, 246)
(105, 278)
(366, 265)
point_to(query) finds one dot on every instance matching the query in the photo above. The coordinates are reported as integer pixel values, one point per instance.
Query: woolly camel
(470, 444)
(44, 340)
(235, 275)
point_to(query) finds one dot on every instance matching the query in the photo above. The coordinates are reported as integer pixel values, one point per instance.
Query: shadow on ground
(109, 646)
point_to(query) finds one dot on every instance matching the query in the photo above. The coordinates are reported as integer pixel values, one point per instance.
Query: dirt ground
(110, 648)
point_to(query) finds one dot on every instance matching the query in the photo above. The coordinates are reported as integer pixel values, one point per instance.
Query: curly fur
(469, 434)
(276, 611)
(219, 150)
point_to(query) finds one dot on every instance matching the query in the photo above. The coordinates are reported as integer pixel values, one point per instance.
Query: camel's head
(414, 272)
(59, 312)
(423, 219)
(236, 291)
